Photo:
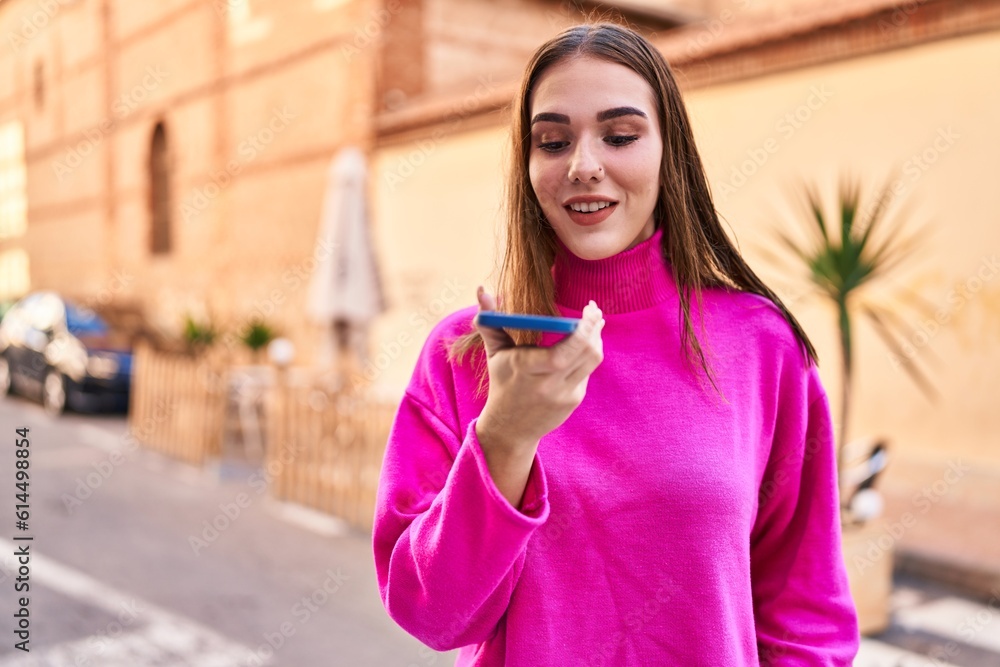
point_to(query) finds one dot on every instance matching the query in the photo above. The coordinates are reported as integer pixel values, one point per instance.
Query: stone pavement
(935, 626)
(943, 518)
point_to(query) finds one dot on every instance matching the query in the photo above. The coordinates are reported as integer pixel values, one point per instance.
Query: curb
(973, 579)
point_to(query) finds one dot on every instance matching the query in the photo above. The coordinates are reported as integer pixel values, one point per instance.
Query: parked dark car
(63, 354)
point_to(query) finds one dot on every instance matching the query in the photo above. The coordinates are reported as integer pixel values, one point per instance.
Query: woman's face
(595, 144)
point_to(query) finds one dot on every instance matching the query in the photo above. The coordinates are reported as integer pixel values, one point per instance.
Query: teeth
(583, 207)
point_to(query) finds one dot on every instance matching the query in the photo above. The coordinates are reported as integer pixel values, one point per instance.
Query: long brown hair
(694, 242)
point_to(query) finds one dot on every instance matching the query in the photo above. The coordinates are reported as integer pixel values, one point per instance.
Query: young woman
(658, 488)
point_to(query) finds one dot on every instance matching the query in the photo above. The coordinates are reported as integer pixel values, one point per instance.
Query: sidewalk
(158, 565)
(943, 516)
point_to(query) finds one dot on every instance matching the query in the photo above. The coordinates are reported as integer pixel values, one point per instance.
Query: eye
(621, 139)
(552, 146)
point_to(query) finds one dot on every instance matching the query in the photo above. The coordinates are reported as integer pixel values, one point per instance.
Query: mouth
(590, 212)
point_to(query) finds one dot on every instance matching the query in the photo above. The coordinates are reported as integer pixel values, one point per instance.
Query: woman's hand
(532, 391)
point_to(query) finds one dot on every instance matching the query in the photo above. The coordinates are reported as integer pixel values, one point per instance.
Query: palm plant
(847, 253)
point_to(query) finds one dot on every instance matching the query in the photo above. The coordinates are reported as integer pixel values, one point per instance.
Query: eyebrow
(607, 114)
(618, 112)
(550, 118)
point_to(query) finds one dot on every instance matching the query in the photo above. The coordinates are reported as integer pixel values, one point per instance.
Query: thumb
(494, 340)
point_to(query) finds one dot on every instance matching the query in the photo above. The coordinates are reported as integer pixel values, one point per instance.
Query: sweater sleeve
(449, 548)
(804, 614)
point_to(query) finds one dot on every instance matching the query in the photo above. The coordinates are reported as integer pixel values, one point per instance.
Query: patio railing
(319, 445)
(177, 403)
(325, 448)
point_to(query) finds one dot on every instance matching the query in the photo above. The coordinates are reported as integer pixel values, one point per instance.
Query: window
(13, 273)
(238, 11)
(13, 211)
(82, 321)
(13, 185)
(39, 77)
(245, 25)
(159, 192)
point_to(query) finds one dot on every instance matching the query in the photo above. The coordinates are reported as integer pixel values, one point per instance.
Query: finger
(565, 354)
(588, 362)
(494, 340)
(486, 300)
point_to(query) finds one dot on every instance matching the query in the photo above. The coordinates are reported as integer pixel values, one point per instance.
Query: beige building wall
(256, 97)
(437, 222)
(257, 101)
(921, 113)
(907, 110)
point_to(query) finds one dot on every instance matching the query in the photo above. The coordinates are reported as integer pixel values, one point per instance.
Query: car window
(83, 321)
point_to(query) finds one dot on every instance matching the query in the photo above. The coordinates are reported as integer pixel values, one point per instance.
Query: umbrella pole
(327, 345)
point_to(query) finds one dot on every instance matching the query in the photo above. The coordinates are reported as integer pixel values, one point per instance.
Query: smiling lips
(589, 210)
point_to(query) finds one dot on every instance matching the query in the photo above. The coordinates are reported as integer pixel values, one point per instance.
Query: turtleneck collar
(634, 279)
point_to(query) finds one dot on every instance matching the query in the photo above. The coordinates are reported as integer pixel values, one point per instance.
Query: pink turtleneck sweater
(660, 525)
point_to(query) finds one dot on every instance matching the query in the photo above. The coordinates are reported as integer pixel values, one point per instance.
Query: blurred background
(227, 227)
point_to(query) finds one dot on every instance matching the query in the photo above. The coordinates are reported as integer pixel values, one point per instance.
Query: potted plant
(257, 336)
(198, 335)
(847, 253)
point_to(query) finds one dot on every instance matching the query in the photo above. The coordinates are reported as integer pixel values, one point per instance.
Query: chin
(593, 245)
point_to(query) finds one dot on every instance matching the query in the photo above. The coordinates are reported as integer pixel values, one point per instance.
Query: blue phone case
(491, 318)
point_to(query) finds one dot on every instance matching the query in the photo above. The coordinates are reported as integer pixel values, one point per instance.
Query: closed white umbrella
(345, 291)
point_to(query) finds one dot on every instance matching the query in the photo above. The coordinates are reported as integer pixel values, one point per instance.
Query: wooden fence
(325, 448)
(177, 403)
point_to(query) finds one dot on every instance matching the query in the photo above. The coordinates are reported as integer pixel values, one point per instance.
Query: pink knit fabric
(661, 524)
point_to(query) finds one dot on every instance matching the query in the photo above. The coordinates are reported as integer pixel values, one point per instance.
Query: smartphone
(495, 320)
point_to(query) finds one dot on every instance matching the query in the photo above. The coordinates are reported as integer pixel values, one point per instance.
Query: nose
(584, 164)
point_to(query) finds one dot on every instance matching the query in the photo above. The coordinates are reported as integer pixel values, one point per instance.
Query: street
(138, 560)
(115, 579)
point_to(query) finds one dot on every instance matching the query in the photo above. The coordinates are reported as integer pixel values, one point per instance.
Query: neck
(634, 279)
